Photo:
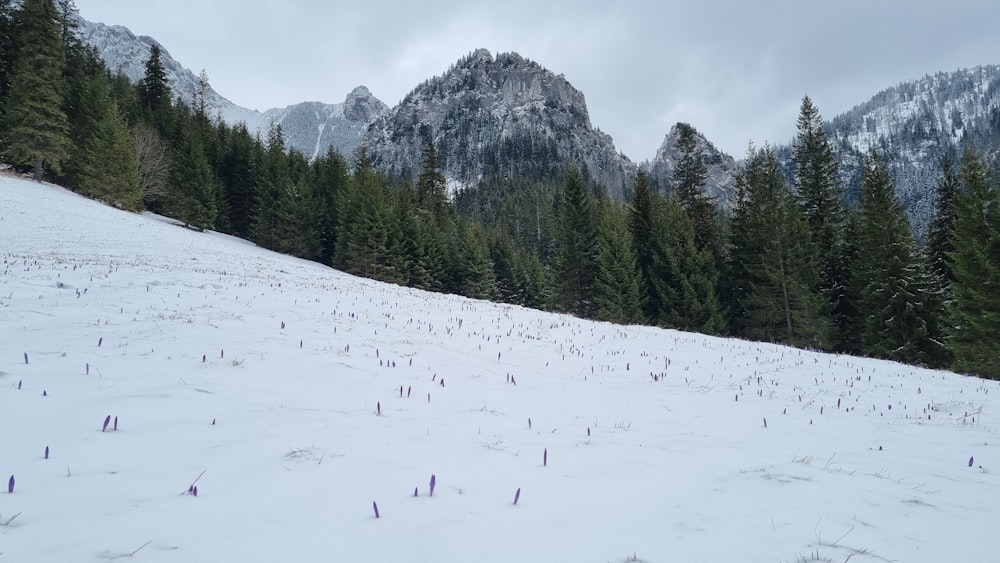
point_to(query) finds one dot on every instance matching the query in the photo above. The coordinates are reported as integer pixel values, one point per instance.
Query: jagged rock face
(722, 168)
(504, 117)
(309, 127)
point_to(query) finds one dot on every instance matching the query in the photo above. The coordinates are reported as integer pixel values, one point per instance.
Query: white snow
(299, 357)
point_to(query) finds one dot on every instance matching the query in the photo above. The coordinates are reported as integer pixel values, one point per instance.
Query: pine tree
(940, 235)
(774, 292)
(8, 27)
(330, 173)
(618, 285)
(432, 197)
(111, 171)
(363, 240)
(297, 228)
(821, 197)
(191, 184)
(684, 276)
(690, 177)
(272, 180)
(154, 92)
(35, 127)
(974, 324)
(898, 301)
(641, 212)
(576, 250)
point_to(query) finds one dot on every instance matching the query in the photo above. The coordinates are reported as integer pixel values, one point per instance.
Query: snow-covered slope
(309, 127)
(294, 396)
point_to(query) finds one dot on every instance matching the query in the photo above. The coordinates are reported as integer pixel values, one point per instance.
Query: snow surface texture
(273, 385)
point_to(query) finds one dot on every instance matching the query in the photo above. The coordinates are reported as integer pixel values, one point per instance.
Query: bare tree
(153, 161)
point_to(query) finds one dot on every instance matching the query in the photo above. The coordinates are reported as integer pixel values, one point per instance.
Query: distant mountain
(912, 126)
(500, 117)
(309, 127)
(722, 168)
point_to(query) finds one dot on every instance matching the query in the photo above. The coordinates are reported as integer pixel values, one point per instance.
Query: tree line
(796, 262)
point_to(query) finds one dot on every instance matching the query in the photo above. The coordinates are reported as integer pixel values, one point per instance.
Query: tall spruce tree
(684, 276)
(618, 286)
(8, 28)
(974, 324)
(897, 297)
(576, 247)
(35, 127)
(432, 198)
(154, 92)
(641, 215)
(775, 293)
(821, 197)
(940, 235)
(191, 183)
(690, 177)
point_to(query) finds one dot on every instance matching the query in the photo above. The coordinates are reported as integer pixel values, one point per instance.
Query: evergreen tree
(897, 297)
(821, 197)
(940, 243)
(775, 295)
(154, 92)
(432, 197)
(974, 324)
(111, 171)
(684, 276)
(8, 26)
(330, 174)
(576, 248)
(297, 228)
(618, 286)
(270, 183)
(35, 127)
(641, 227)
(191, 183)
(690, 176)
(363, 239)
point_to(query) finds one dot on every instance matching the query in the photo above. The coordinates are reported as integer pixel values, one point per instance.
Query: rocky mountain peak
(498, 117)
(722, 168)
(360, 105)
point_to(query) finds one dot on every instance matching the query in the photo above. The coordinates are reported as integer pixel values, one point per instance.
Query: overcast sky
(736, 70)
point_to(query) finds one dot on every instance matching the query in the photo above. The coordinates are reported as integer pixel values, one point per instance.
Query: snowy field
(294, 396)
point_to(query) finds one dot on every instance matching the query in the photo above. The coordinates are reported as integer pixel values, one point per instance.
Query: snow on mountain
(498, 117)
(912, 126)
(722, 168)
(309, 127)
(294, 397)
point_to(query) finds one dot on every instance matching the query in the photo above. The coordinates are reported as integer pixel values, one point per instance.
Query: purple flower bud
(970, 461)
(45, 393)
(545, 457)
(442, 382)
(10, 485)
(46, 452)
(765, 422)
(194, 490)
(25, 357)
(378, 408)
(19, 384)
(517, 496)
(116, 424)
(107, 421)
(409, 389)
(282, 325)
(433, 483)
(88, 368)
(415, 491)
(588, 432)
(203, 358)
(375, 506)
(529, 423)
(213, 422)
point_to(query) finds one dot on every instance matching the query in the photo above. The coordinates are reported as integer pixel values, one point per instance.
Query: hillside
(293, 396)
